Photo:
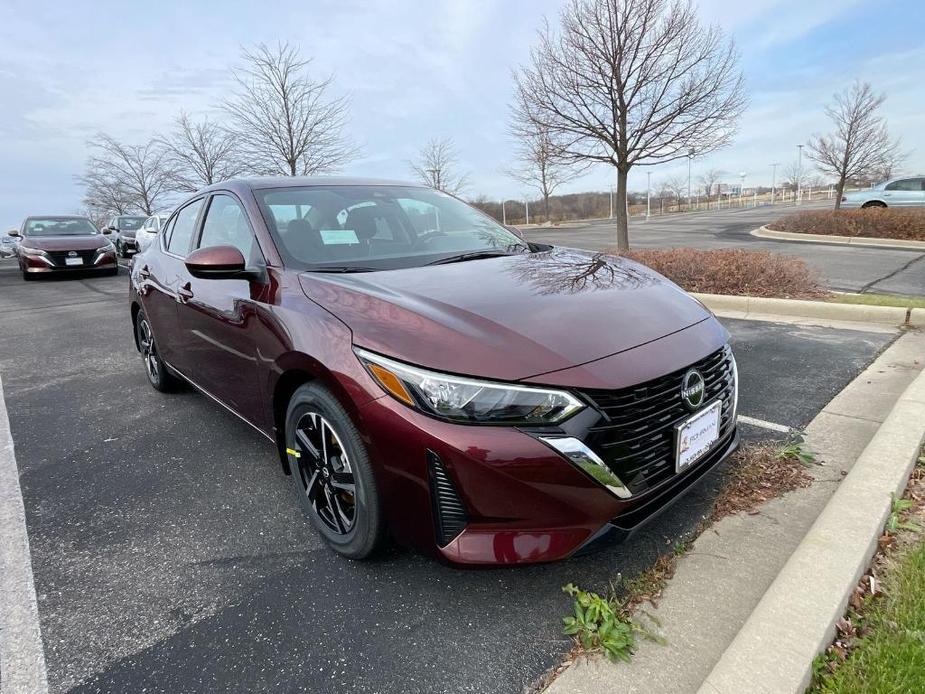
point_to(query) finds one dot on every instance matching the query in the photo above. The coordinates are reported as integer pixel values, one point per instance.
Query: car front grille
(59, 257)
(636, 438)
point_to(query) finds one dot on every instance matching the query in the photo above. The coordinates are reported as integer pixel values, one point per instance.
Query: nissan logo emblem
(693, 389)
(72, 254)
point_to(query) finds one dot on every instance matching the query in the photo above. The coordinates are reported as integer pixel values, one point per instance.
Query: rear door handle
(184, 293)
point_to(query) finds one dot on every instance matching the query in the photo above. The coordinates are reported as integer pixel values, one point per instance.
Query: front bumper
(129, 243)
(37, 264)
(524, 502)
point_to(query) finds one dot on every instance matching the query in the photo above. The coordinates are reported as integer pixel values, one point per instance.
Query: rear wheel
(158, 374)
(873, 203)
(331, 473)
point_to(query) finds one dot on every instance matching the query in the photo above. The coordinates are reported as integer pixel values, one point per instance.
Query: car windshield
(131, 223)
(59, 226)
(378, 227)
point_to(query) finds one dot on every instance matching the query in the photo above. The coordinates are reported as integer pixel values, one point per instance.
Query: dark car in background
(124, 229)
(57, 244)
(425, 371)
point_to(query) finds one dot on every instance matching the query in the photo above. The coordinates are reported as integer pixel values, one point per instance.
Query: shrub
(734, 271)
(890, 223)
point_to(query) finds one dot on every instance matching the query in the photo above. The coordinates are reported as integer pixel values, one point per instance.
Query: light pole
(611, 202)
(648, 194)
(690, 158)
(800, 174)
(741, 186)
(527, 205)
(503, 214)
(773, 179)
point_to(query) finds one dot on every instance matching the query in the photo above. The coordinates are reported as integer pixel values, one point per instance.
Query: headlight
(468, 400)
(28, 250)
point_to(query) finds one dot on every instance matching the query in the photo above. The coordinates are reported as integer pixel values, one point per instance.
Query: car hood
(65, 243)
(510, 317)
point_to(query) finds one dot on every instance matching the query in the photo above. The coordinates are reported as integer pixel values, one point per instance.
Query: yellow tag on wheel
(293, 453)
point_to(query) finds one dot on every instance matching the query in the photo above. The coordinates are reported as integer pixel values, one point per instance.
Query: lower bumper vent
(449, 513)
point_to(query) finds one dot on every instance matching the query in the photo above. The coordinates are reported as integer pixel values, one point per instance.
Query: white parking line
(22, 658)
(765, 425)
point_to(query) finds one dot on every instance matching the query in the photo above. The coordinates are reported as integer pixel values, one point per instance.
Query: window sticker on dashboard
(338, 237)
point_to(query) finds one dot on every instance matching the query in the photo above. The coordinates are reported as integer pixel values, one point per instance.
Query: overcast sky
(413, 69)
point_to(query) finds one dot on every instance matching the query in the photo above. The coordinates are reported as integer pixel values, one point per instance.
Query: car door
(218, 317)
(905, 192)
(159, 275)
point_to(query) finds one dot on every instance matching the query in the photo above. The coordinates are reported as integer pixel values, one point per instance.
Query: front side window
(59, 226)
(226, 225)
(377, 227)
(183, 227)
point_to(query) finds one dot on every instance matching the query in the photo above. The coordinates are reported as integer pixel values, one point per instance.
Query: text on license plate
(73, 261)
(696, 435)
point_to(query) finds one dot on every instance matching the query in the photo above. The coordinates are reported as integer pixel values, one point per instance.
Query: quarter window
(183, 227)
(226, 225)
(906, 184)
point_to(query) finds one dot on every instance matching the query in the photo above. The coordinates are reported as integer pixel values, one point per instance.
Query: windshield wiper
(472, 255)
(342, 268)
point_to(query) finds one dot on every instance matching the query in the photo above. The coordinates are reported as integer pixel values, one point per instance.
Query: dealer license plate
(696, 435)
(73, 261)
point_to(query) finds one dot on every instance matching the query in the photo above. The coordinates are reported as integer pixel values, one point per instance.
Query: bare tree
(200, 153)
(631, 82)
(437, 166)
(99, 216)
(860, 146)
(284, 121)
(711, 180)
(123, 178)
(676, 187)
(794, 175)
(540, 167)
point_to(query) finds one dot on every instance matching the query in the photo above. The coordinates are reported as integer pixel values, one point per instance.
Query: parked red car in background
(63, 244)
(425, 371)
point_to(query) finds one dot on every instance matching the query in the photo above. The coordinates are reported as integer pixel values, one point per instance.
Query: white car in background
(908, 191)
(149, 231)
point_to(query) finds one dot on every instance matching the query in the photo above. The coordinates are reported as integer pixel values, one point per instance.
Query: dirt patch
(734, 271)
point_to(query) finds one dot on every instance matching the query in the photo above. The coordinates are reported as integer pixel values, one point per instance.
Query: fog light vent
(449, 513)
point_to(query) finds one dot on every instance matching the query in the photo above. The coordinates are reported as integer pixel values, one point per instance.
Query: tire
(111, 272)
(159, 376)
(121, 249)
(868, 205)
(337, 491)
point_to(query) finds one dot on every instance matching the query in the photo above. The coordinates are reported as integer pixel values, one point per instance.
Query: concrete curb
(901, 244)
(795, 619)
(746, 306)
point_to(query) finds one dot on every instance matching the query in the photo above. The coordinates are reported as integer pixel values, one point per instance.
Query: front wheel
(158, 374)
(331, 473)
(868, 205)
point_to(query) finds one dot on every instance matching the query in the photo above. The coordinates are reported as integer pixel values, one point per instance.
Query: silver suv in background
(149, 231)
(123, 228)
(908, 191)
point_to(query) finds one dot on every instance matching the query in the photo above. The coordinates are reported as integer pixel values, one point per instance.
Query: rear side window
(906, 184)
(183, 227)
(226, 225)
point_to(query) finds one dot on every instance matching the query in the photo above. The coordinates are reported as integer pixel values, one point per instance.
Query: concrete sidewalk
(719, 583)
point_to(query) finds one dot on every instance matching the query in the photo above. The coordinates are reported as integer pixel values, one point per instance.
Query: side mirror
(13, 232)
(217, 263)
(107, 230)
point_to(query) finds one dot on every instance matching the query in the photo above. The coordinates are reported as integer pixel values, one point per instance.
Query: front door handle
(144, 273)
(184, 293)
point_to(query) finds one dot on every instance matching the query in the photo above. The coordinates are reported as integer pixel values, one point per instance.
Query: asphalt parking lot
(850, 269)
(169, 556)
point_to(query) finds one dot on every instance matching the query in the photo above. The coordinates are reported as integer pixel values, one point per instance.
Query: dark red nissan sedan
(425, 372)
(55, 244)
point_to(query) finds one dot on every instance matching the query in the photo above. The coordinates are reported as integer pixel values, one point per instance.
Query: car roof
(56, 216)
(304, 181)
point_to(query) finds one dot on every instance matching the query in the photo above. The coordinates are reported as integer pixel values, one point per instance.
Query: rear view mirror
(216, 263)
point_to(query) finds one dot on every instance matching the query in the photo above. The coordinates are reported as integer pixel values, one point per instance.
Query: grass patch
(878, 300)
(734, 271)
(878, 223)
(880, 644)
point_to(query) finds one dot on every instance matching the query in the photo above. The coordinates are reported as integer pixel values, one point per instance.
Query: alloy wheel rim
(149, 351)
(325, 473)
